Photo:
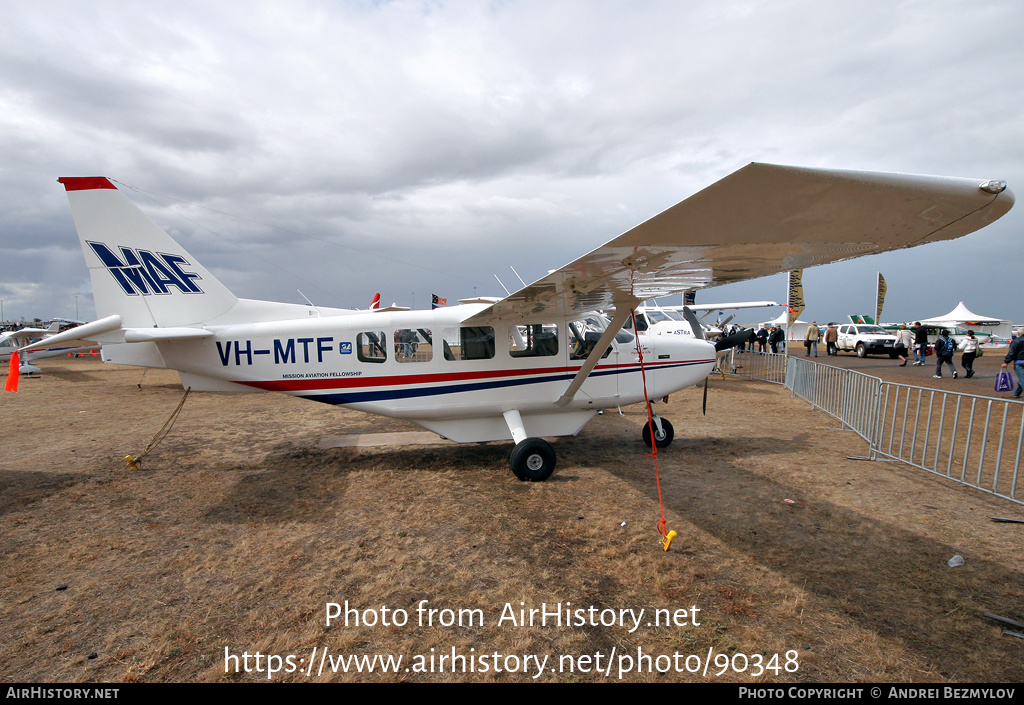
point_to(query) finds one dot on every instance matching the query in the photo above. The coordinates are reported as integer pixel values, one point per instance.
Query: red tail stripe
(85, 183)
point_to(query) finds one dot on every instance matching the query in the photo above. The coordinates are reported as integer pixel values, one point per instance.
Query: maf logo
(143, 272)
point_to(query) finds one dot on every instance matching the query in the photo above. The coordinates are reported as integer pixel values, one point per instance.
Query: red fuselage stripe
(294, 385)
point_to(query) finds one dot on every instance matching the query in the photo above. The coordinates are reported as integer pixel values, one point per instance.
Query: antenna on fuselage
(311, 304)
(507, 292)
(517, 274)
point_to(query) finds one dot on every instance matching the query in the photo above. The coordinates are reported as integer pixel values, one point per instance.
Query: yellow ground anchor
(667, 541)
(133, 463)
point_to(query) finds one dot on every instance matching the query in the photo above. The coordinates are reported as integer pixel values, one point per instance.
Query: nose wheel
(532, 460)
(663, 432)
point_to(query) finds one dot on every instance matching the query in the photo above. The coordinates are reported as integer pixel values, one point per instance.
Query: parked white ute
(866, 340)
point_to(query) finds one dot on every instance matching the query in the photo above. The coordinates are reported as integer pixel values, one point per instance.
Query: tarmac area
(982, 383)
(240, 534)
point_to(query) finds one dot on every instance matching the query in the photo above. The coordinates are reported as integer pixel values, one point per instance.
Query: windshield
(592, 327)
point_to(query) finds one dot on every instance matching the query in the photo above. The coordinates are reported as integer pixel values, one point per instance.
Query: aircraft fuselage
(426, 367)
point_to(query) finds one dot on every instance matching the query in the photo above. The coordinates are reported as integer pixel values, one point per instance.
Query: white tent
(963, 317)
(797, 332)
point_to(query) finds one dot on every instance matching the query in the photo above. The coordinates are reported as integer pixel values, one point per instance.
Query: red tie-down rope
(662, 525)
(666, 536)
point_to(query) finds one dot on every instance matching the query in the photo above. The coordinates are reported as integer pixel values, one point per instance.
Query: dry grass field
(238, 531)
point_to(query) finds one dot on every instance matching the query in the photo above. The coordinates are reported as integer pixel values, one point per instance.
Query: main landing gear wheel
(664, 438)
(532, 460)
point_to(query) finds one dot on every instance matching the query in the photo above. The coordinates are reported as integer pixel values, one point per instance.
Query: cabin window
(413, 345)
(584, 334)
(533, 340)
(469, 343)
(370, 346)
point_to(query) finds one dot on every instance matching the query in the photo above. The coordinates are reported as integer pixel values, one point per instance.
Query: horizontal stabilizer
(86, 332)
(156, 335)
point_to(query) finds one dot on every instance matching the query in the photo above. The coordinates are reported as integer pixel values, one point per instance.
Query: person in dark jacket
(920, 343)
(944, 349)
(1015, 357)
(762, 339)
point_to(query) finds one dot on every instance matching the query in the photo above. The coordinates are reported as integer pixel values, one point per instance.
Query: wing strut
(622, 312)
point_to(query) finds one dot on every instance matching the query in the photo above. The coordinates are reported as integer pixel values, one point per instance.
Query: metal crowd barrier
(759, 366)
(971, 439)
(851, 397)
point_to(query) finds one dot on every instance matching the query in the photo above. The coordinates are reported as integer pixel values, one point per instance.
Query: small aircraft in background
(536, 363)
(12, 341)
(672, 320)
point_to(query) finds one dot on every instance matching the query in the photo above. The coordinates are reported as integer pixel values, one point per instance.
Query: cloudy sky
(409, 147)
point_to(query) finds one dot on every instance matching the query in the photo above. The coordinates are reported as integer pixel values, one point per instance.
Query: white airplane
(15, 340)
(672, 320)
(535, 363)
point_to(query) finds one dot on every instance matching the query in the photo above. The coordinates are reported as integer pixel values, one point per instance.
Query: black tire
(532, 460)
(667, 434)
(862, 351)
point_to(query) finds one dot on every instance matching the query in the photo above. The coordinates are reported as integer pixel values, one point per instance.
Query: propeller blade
(731, 341)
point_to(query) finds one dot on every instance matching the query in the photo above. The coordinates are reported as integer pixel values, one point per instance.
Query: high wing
(760, 220)
(19, 338)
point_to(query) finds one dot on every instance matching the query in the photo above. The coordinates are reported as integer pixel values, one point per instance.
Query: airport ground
(238, 532)
(983, 383)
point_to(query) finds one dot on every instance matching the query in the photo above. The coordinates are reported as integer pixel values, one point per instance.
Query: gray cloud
(426, 145)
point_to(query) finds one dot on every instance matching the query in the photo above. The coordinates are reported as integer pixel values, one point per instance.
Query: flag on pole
(436, 301)
(879, 298)
(795, 304)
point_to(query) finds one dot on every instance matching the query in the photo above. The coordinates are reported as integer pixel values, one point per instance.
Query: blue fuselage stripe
(414, 392)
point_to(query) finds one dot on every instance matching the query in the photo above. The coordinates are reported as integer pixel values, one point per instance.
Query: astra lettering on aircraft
(144, 272)
(539, 362)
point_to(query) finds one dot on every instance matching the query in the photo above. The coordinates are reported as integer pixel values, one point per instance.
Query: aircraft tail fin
(138, 271)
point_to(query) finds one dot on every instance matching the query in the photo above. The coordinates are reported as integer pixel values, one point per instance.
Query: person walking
(920, 343)
(944, 349)
(969, 346)
(904, 341)
(831, 340)
(812, 338)
(1015, 357)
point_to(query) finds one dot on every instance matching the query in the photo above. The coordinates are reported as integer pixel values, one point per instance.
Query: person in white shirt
(969, 346)
(904, 341)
